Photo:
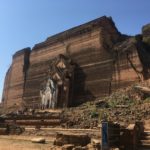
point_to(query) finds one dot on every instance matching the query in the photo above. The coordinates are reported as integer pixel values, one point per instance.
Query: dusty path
(16, 144)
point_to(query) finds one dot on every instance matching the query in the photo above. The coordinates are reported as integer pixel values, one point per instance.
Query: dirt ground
(12, 144)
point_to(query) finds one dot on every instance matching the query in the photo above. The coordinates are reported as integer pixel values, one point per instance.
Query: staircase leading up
(144, 143)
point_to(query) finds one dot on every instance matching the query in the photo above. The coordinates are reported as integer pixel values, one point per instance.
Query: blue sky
(24, 23)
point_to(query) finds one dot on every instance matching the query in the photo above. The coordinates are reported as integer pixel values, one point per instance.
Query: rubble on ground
(38, 140)
(123, 106)
(72, 138)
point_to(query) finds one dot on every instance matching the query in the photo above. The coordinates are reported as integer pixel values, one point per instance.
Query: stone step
(51, 122)
(147, 127)
(143, 142)
(41, 114)
(30, 117)
(53, 131)
(145, 133)
(144, 147)
(145, 137)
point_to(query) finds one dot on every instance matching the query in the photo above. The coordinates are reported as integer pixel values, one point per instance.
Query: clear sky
(24, 23)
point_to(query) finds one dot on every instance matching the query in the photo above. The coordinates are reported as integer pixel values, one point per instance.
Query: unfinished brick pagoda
(82, 63)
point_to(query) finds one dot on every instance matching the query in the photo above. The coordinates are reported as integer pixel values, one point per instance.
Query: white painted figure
(48, 97)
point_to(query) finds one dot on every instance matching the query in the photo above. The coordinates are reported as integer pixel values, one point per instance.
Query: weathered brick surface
(14, 80)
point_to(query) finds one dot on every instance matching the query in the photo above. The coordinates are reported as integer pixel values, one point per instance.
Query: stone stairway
(46, 123)
(46, 118)
(144, 143)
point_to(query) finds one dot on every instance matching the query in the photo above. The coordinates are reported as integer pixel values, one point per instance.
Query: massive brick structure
(103, 60)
